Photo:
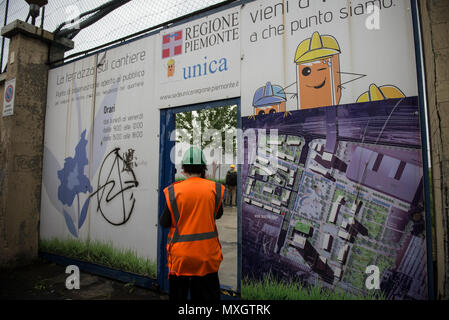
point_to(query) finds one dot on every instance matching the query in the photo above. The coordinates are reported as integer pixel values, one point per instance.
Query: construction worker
(193, 248)
(376, 93)
(231, 186)
(318, 72)
(269, 99)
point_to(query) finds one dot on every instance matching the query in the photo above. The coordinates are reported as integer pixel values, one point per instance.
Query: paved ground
(44, 280)
(227, 232)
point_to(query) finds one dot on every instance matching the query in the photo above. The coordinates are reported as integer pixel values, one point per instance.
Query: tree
(195, 125)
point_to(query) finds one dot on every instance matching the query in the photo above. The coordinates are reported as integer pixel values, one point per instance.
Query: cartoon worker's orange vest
(193, 248)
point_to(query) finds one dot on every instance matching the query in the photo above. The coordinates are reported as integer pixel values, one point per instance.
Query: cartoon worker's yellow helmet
(316, 47)
(376, 93)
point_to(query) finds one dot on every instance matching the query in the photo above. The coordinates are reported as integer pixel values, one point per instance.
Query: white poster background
(134, 134)
(124, 90)
(384, 55)
(208, 67)
(68, 115)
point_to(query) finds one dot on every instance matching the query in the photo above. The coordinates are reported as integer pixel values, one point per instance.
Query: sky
(132, 17)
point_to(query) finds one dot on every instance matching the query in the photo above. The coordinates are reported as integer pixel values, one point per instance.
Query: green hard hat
(194, 155)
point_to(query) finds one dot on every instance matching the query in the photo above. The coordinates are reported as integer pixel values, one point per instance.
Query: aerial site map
(338, 189)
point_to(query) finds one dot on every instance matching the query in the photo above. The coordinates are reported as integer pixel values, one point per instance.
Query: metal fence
(130, 18)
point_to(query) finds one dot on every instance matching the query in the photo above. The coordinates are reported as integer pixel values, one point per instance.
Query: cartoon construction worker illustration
(170, 67)
(269, 99)
(376, 93)
(318, 77)
(318, 80)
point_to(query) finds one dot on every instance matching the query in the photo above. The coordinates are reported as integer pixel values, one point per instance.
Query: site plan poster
(336, 194)
(99, 198)
(199, 61)
(305, 54)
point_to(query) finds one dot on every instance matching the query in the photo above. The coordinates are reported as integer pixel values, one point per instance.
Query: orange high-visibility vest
(193, 248)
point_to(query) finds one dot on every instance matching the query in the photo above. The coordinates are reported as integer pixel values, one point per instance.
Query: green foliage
(100, 253)
(384, 262)
(195, 123)
(40, 285)
(302, 227)
(271, 288)
(222, 181)
(130, 286)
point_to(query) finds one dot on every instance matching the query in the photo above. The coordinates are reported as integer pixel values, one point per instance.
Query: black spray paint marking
(128, 161)
(113, 189)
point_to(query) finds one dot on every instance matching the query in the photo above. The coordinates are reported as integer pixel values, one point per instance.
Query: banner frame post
(420, 69)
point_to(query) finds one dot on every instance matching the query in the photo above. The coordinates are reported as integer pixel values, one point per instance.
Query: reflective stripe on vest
(195, 236)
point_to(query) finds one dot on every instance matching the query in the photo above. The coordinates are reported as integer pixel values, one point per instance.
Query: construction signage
(312, 54)
(199, 61)
(100, 172)
(332, 189)
(335, 198)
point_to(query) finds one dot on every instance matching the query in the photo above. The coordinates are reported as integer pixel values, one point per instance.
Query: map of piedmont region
(337, 190)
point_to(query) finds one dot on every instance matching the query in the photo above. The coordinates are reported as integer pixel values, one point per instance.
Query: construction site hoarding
(100, 176)
(333, 198)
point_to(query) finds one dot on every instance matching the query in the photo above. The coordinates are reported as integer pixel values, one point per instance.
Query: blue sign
(9, 94)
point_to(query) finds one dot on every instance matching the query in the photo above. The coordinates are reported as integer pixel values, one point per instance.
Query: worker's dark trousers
(206, 288)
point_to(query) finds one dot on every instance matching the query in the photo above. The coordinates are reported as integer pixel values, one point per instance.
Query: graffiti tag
(116, 181)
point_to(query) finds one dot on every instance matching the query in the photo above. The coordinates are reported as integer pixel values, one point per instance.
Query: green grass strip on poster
(272, 289)
(100, 253)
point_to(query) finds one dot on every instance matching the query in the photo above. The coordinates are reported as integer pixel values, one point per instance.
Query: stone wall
(435, 32)
(21, 142)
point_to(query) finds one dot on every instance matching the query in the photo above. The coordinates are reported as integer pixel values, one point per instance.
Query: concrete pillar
(21, 139)
(435, 31)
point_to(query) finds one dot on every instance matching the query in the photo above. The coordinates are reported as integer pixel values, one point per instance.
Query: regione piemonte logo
(172, 44)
